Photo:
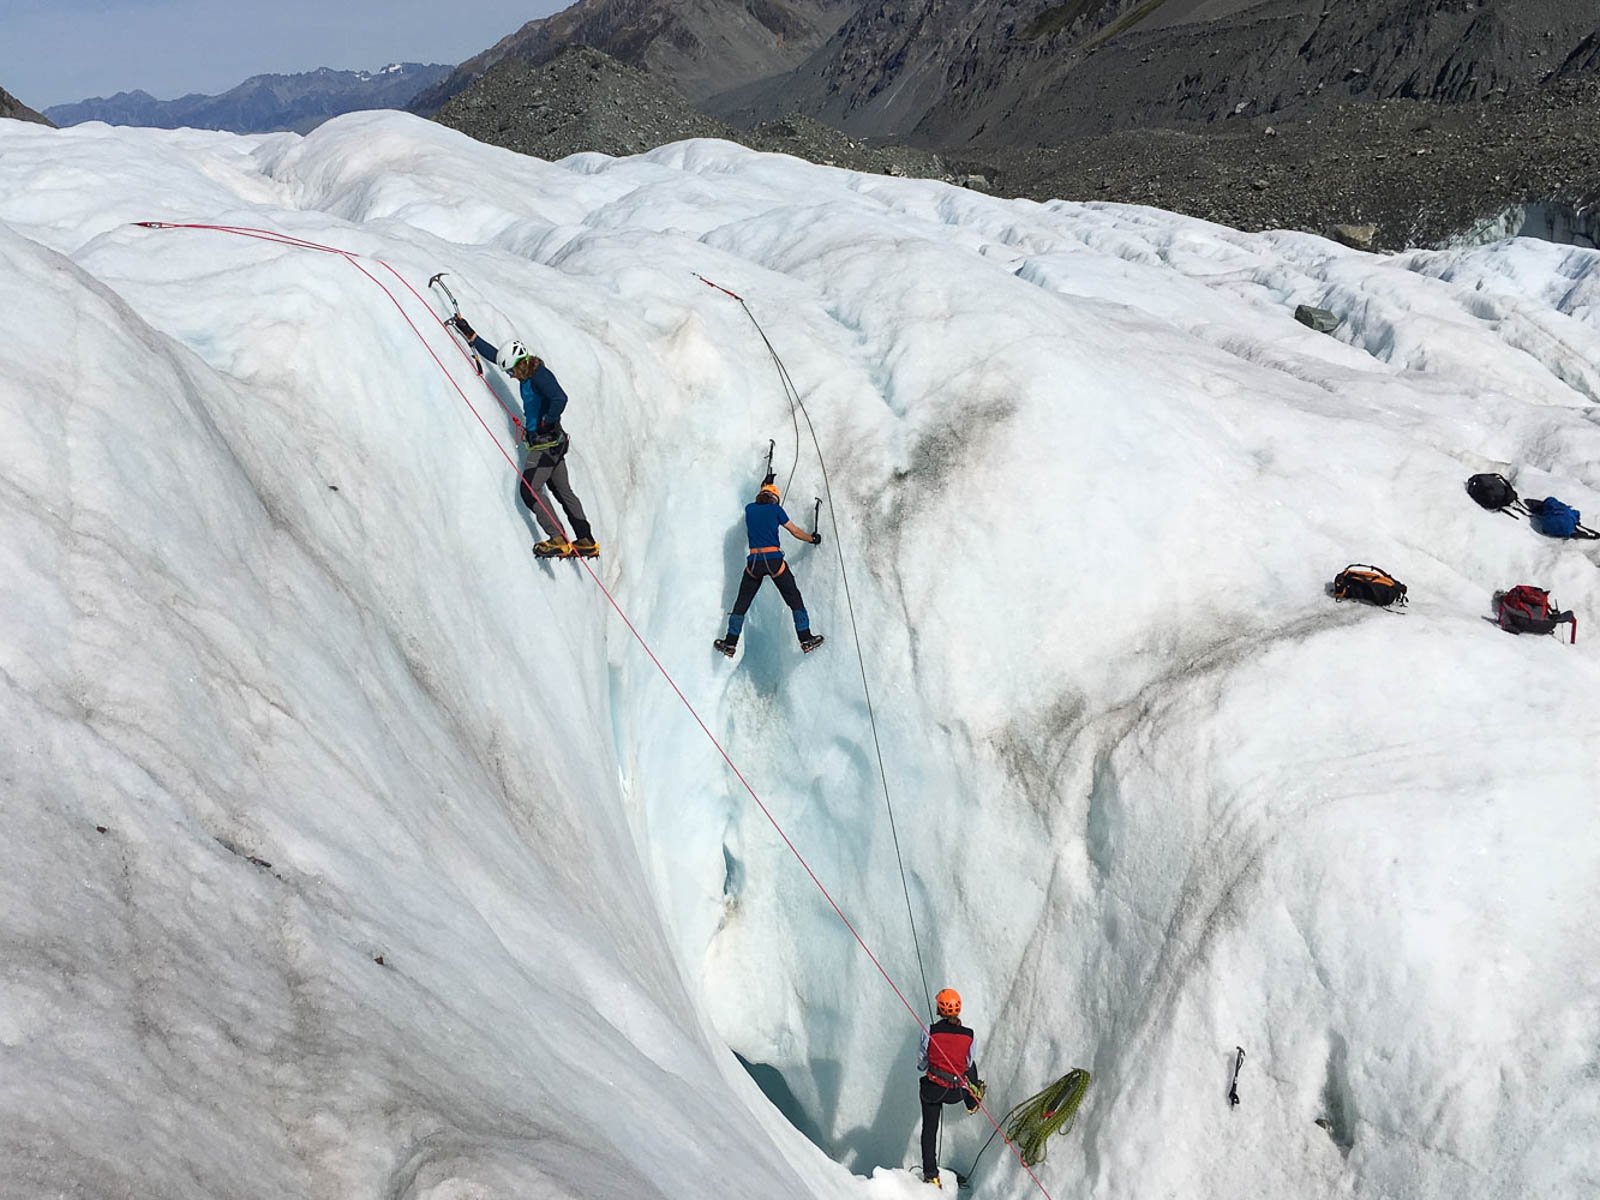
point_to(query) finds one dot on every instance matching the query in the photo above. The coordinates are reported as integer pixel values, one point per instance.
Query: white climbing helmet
(511, 355)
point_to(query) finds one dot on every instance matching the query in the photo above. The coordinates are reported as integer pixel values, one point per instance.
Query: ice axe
(455, 310)
(438, 282)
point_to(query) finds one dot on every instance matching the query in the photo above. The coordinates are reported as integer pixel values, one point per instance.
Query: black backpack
(1368, 584)
(1496, 494)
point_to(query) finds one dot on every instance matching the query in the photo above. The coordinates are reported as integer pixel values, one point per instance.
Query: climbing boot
(726, 645)
(933, 1179)
(555, 547)
(810, 641)
(586, 547)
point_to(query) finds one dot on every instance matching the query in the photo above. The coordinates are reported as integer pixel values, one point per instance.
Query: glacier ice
(285, 693)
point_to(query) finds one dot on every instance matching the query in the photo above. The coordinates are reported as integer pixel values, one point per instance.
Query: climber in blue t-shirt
(762, 521)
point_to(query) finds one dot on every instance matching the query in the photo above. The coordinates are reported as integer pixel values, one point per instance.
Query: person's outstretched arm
(814, 538)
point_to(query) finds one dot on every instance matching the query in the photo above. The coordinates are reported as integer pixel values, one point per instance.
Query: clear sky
(56, 51)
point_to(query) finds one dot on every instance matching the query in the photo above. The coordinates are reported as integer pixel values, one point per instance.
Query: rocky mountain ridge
(263, 103)
(697, 47)
(1004, 72)
(1399, 172)
(1394, 173)
(585, 100)
(11, 107)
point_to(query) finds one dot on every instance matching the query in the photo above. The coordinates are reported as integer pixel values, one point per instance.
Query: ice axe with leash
(455, 311)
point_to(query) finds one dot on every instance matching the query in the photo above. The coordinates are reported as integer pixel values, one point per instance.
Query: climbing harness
(1031, 1124)
(797, 408)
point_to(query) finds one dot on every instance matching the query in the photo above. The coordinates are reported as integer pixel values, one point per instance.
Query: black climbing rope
(797, 409)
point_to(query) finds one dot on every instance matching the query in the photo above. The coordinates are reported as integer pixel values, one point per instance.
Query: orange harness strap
(755, 550)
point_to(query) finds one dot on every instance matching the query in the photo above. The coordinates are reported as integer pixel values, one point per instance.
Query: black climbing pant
(759, 570)
(934, 1098)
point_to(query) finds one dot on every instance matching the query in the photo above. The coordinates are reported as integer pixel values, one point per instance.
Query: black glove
(460, 323)
(816, 537)
(544, 435)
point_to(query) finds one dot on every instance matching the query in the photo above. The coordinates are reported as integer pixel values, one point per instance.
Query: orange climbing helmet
(768, 494)
(948, 1003)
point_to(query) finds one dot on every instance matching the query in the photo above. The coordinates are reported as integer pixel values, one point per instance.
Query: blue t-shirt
(762, 522)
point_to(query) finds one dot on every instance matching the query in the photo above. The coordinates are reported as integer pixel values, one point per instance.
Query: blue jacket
(543, 401)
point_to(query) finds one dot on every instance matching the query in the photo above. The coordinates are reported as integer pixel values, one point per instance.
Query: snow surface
(284, 691)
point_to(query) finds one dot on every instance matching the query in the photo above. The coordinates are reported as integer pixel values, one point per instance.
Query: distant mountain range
(11, 107)
(973, 74)
(263, 103)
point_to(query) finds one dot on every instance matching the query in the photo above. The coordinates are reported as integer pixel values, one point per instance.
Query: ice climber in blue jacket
(545, 445)
(762, 520)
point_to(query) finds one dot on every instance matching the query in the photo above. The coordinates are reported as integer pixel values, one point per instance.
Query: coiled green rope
(1032, 1123)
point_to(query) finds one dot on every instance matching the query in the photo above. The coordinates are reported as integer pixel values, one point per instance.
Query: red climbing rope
(352, 257)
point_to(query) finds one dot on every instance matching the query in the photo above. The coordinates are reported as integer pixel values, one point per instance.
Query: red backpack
(1527, 609)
